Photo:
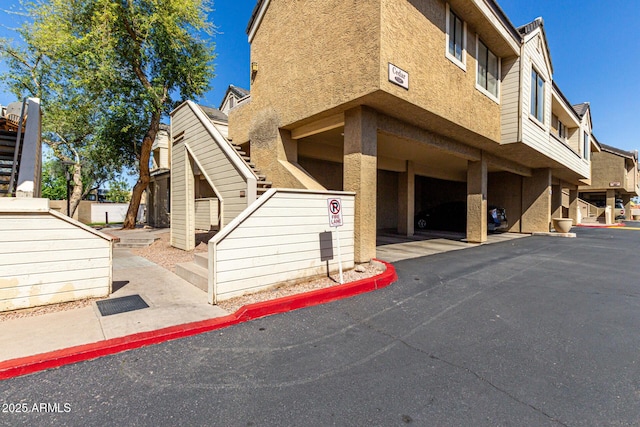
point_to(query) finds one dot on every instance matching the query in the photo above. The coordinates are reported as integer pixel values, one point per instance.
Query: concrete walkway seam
(55, 359)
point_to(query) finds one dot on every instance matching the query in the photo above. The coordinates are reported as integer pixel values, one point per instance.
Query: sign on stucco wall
(398, 76)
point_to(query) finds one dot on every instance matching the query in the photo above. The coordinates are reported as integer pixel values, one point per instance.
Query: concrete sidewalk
(172, 301)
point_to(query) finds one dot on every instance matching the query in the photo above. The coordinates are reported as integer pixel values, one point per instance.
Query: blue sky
(594, 51)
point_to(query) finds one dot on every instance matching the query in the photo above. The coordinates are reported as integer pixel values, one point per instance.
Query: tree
(54, 183)
(118, 192)
(137, 59)
(72, 117)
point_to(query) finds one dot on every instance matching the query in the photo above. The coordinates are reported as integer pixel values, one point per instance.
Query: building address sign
(398, 76)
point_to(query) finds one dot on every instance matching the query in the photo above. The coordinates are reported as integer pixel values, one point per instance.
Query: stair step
(265, 184)
(193, 274)
(133, 242)
(201, 259)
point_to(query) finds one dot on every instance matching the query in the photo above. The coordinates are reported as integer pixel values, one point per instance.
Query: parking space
(392, 247)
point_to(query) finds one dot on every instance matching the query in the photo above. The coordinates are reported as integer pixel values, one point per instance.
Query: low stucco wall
(94, 212)
(46, 257)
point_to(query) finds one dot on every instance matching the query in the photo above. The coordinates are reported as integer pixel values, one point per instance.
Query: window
(537, 96)
(559, 128)
(562, 130)
(456, 36)
(587, 146)
(488, 73)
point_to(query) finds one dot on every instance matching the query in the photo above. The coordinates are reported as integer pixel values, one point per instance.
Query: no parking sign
(335, 220)
(335, 212)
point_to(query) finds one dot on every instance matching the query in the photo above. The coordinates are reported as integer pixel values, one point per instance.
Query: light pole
(67, 175)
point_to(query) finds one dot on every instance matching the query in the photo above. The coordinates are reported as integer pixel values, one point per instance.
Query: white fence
(115, 212)
(283, 236)
(47, 257)
(206, 213)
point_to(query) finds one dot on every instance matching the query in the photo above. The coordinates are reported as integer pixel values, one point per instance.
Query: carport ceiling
(396, 148)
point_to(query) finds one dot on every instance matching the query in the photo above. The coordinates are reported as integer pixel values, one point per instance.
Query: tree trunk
(143, 168)
(76, 194)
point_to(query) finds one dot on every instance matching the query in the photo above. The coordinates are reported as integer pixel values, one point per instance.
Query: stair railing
(16, 153)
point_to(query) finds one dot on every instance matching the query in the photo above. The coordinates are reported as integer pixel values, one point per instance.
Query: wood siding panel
(59, 245)
(91, 289)
(510, 92)
(206, 213)
(535, 134)
(280, 241)
(46, 259)
(224, 176)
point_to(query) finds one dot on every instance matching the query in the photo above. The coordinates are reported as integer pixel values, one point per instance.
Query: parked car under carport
(452, 216)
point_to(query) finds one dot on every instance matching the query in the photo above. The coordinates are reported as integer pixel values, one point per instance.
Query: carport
(414, 171)
(397, 168)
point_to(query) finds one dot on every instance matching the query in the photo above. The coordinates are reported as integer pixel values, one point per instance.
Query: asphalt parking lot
(527, 332)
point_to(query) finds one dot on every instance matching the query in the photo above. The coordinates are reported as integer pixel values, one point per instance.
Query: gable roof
(238, 92)
(581, 109)
(531, 27)
(528, 28)
(214, 114)
(254, 15)
(619, 152)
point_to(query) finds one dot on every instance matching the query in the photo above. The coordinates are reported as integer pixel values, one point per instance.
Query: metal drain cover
(108, 307)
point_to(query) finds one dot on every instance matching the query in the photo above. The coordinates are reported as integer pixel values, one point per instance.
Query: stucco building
(410, 104)
(614, 175)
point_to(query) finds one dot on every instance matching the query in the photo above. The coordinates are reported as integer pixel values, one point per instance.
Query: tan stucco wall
(413, 37)
(606, 168)
(536, 202)
(338, 59)
(505, 190)
(311, 57)
(328, 174)
(387, 200)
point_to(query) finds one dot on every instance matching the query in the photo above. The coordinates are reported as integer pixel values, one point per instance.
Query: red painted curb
(54, 359)
(618, 224)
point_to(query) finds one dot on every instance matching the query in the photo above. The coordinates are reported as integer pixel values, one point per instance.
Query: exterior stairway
(262, 184)
(7, 167)
(593, 220)
(196, 272)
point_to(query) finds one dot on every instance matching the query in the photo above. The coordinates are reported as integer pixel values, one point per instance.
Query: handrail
(591, 208)
(14, 167)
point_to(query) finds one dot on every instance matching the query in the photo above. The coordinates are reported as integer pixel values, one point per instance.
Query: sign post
(335, 220)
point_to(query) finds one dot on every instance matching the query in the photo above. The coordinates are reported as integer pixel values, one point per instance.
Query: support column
(556, 200)
(574, 207)
(626, 202)
(406, 200)
(477, 201)
(536, 202)
(360, 176)
(610, 204)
